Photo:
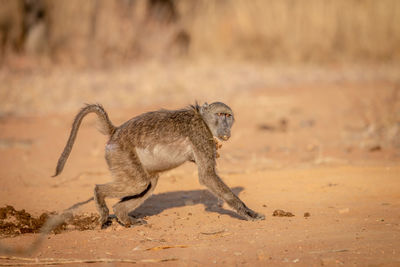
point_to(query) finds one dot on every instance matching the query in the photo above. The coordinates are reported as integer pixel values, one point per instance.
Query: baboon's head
(219, 118)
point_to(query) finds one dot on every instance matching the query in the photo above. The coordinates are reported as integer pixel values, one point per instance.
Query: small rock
(375, 148)
(282, 213)
(266, 127)
(307, 214)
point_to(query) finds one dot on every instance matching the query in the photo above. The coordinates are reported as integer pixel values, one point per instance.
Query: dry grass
(317, 31)
(298, 31)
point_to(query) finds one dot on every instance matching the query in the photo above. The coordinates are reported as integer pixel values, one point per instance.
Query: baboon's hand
(244, 211)
(251, 215)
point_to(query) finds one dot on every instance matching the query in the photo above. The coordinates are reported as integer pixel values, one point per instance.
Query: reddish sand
(301, 149)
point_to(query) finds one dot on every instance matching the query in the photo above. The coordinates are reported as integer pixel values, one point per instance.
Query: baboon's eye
(228, 115)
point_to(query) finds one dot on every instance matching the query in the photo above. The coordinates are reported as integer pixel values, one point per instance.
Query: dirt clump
(282, 213)
(15, 222)
(84, 222)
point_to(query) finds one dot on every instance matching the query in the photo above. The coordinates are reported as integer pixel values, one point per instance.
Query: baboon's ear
(203, 108)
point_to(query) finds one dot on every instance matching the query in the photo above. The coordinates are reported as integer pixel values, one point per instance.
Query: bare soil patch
(322, 146)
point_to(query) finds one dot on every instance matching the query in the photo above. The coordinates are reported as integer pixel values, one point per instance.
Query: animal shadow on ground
(163, 201)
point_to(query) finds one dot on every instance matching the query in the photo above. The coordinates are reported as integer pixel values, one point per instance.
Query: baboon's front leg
(221, 190)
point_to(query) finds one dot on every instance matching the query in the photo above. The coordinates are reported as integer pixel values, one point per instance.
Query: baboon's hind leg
(101, 191)
(99, 200)
(129, 203)
(132, 183)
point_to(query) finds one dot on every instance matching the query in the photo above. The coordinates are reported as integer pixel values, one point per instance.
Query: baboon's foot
(106, 224)
(130, 221)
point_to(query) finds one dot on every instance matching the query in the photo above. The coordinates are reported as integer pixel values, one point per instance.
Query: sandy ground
(324, 149)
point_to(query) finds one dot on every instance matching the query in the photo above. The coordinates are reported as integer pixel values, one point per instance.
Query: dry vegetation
(296, 31)
(98, 32)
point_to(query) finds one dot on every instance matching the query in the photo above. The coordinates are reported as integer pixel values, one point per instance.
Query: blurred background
(100, 33)
(261, 56)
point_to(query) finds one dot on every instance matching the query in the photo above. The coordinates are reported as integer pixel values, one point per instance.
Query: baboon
(153, 142)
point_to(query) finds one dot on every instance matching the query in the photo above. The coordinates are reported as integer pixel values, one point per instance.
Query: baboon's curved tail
(106, 128)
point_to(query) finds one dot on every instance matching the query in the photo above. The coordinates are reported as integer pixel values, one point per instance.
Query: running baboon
(155, 142)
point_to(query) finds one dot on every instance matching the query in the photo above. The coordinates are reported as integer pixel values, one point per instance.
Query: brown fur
(154, 142)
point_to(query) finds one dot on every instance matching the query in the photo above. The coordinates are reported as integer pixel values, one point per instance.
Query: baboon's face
(219, 118)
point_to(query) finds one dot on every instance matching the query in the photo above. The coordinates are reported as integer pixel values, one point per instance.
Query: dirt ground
(322, 145)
